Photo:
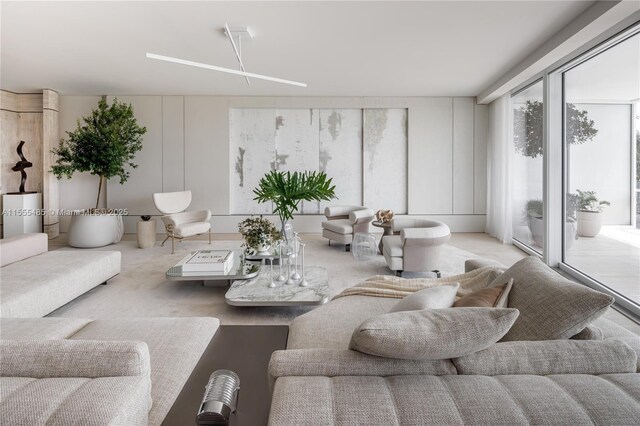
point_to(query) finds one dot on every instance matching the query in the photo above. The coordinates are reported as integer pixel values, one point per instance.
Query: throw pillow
(493, 297)
(551, 307)
(439, 297)
(432, 333)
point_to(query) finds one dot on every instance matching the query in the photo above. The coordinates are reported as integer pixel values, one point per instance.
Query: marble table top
(255, 291)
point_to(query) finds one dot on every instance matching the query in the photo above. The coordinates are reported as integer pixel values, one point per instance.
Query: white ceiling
(338, 48)
(612, 76)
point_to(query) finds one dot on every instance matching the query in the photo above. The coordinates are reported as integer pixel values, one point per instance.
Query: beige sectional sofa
(319, 381)
(61, 371)
(35, 281)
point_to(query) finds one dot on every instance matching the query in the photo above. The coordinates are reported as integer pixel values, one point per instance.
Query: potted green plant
(590, 210)
(533, 215)
(259, 235)
(103, 144)
(287, 190)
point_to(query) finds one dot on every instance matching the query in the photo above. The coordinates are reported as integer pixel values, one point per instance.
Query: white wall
(603, 164)
(187, 147)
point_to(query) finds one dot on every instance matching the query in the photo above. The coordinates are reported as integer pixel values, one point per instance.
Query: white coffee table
(255, 291)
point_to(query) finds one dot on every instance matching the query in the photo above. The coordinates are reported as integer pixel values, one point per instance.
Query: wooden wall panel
(463, 163)
(50, 194)
(30, 131)
(430, 157)
(30, 102)
(172, 143)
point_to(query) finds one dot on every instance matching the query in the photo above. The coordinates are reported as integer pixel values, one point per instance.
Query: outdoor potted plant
(286, 190)
(102, 144)
(259, 235)
(534, 217)
(590, 213)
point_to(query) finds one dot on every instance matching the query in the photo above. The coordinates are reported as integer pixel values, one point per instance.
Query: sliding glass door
(601, 168)
(527, 167)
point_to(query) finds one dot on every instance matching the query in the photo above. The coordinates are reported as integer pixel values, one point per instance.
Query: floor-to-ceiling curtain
(499, 171)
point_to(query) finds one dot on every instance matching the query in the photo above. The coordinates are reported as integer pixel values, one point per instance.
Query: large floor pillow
(551, 307)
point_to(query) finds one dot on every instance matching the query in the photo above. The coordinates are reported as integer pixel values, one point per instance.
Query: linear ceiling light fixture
(237, 48)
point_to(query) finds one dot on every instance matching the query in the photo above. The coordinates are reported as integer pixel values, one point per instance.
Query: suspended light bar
(222, 69)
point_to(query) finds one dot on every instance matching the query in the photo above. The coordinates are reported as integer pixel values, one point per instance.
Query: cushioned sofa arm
(73, 358)
(21, 247)
(425, 237)
(473, 264)
(361, 216)
(333, 362)
(550, 357)
(339, 212)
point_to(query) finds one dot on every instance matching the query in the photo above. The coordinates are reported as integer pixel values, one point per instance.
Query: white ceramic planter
(536, 226)
(94, 230)
(589, 223)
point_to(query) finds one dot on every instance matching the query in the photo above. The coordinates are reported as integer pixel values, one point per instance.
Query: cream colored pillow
(432, 333)
(439, 297)
(491, 297)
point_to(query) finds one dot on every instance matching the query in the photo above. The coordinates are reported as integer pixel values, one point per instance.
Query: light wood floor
(477, 243)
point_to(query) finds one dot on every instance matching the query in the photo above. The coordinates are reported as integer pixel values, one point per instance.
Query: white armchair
(344, 221)
(178, 223)
(418, 248)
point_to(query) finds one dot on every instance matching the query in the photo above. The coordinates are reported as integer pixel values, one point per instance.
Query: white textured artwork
(341, 153)
(329, 140)
(252, 134)
(385, 159)
(297, 144)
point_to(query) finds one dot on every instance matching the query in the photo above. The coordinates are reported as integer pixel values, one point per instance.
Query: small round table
(386, 230)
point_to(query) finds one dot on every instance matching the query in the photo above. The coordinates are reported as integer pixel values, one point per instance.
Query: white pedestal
(21, 213)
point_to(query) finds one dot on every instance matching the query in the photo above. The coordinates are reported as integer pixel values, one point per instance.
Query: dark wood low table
(246, 350)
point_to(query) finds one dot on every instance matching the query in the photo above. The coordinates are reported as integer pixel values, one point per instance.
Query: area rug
(141, 289)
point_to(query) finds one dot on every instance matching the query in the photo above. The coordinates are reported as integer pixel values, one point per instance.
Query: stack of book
(220, 261)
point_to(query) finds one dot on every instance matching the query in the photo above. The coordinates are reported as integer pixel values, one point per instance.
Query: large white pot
(94, 230)
(536, 226)
(589, 223)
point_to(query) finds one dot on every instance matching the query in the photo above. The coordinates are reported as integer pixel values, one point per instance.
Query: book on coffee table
(209, 261)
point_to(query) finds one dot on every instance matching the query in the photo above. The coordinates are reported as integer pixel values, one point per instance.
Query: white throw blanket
(397, 288)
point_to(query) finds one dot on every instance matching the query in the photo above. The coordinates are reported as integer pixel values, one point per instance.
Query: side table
(386, 230)
(146, 233)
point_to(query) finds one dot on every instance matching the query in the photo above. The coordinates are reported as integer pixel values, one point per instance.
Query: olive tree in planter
(103, 144)
(528, 139)
(590, 213)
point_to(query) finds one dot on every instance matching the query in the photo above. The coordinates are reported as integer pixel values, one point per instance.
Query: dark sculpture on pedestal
(20, 167)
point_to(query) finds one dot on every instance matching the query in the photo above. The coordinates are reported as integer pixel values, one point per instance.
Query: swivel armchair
(344, 221)
(418, 248)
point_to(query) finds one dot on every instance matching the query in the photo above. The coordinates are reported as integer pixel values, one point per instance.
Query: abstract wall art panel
(385, 159)
(351, 145)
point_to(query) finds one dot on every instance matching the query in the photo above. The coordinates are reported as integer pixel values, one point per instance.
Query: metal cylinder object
(220, 398)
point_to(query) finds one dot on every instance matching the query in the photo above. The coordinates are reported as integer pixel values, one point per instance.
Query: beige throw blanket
(397, 288)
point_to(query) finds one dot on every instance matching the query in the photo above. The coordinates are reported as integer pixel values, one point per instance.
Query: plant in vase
(533, 215)
(259, 235)
(590, 210)
(103, 144)
(286, 190)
